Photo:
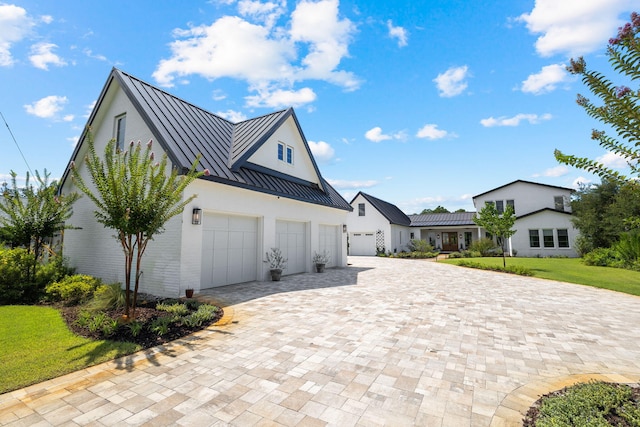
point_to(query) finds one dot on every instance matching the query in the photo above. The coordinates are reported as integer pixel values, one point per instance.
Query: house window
(500, 206)
(489, 203)
(120, 127)
(558, 202)
(360, 209)
(563, 238)
(285, 153)
(411, 236)
(534, 238)
(512, 204)
(547, 238)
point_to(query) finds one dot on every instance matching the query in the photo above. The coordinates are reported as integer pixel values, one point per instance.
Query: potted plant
(188, 292)
(277, 263)
(320, 260)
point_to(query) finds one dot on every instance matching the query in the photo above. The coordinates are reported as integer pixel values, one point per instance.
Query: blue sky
(418, 102)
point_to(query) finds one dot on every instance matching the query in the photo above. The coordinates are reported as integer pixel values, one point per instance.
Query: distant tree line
(438, 209)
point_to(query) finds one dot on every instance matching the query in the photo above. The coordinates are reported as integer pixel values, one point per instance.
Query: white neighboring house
(265, 190)
(376, 225)
(543, 223)
(543, 212)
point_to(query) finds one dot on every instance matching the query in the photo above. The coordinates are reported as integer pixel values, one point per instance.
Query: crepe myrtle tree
(135, 196)
(497, 224)
(619, 108)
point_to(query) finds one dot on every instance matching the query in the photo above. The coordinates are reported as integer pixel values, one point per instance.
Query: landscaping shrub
(604, 257)
(18, 283)
(73, 290)
(107, 297)
(485, 246)
(419, 245)
(513, 269)
(628, 247)
(465, 254)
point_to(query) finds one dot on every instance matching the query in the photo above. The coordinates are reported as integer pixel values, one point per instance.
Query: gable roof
(184, 130)
(389, 211)
(524, 182)
(544, 210)
(442, 219)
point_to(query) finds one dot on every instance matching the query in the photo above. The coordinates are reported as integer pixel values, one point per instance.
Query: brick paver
(381, 343)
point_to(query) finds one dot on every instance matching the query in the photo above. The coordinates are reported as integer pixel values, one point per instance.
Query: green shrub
(176, 309)
(485, 246)
(604, 257)
(513, 269)
(107, 297)
(628, 247)
(73, 290)
(419, 245)
(135, 328)
(160, 326)
(589, 404)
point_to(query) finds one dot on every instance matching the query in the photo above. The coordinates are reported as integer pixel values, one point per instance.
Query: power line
(16, 142)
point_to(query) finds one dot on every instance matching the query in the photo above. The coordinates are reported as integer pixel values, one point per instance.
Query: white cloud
(580, 181)
(47, 107)
(574, 27)
(397, 33)
(321, 151)
(14, 26)
(218, 95)
(546, 80)
(340, 184)
(232, 116)
(73, 140)
(554, 172)
(97, 56)
(452, 82)
(515, 120)
(265, 55)
(42, 55)
(89, 109)
(68, 118)
(375, 134)
(431, 131)
(613, 160)
(47, 19)
(268, 97)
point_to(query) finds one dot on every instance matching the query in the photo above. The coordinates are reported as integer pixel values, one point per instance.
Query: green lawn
(36, 345)
(571, 270)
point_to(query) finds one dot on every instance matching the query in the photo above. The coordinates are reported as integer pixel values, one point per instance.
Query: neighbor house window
(512, 204)
(285, 153)
(534, 238)
(547, 238)
(121, 124)
(563, 238)
(558, 202)
(500, 206)
(360, 209)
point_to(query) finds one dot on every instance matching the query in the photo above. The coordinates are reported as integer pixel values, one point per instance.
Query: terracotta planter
(276, 274)
(188, 293)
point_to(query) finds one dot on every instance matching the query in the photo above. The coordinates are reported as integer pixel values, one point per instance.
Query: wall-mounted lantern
(344, 228)
(196, 216)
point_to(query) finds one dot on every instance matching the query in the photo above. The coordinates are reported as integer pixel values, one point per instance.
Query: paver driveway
(383, 342)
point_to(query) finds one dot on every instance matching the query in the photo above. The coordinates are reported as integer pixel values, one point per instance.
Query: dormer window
(360, 209)
(120, 127)
(285, 153)
(558, 202)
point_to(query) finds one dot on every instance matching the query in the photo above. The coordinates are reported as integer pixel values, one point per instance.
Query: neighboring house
(265, 190)
(543, 223)
(543, 212)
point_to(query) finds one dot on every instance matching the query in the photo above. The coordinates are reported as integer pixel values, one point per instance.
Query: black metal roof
(544, 210)
(184, 130)
(389, 211)
(524, 182)
(442, 219)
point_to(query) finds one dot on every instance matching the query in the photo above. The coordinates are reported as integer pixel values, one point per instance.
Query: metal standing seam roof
(185, 130)
(443, 219)
(388, 210)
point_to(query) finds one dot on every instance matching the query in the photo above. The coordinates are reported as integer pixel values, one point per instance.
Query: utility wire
(16, 142)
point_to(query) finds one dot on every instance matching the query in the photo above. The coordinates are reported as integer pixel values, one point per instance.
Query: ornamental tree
(499, 225)
(32, 214)
(620, 107)
(135, 195)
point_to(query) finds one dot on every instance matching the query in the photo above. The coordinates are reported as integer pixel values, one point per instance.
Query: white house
(265, 190)
(543, 213)
(543, 223)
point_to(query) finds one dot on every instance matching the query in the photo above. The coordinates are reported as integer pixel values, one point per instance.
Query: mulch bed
(145, 313)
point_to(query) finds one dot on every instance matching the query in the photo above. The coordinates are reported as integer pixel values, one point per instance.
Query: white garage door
(291, 238)
(329, 240)
(362, 244)
(229, 250)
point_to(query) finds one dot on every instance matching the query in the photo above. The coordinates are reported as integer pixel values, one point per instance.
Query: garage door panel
(329, 241)
(291, 239)
(362, 244)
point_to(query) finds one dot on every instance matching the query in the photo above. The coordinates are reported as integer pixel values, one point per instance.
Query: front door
(450, 242)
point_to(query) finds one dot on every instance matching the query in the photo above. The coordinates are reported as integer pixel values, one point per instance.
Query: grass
(37, 345)
(570, 270)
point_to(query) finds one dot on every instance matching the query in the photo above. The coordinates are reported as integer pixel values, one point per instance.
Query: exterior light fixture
(196, 216)
(344, 228)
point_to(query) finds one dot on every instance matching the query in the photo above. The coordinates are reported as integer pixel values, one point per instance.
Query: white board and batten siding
(229, 249)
